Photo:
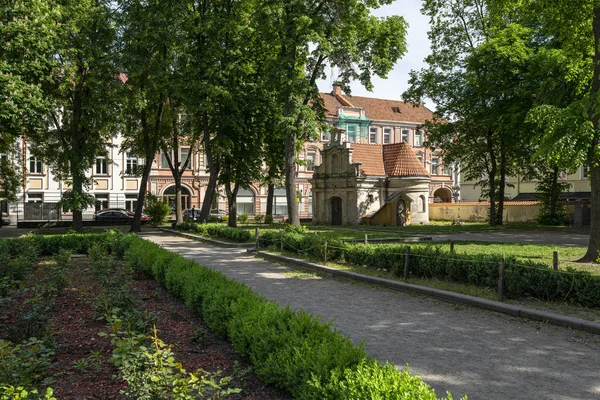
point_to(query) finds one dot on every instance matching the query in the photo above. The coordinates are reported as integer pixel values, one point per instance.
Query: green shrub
(243, 218)
(217, 231)
(156, 209)
(268, 219)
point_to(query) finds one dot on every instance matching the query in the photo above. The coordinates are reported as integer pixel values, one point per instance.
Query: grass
(470, 290)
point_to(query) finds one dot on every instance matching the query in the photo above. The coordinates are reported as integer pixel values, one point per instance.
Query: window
(163, 161)
(245, 201)
(183, 157)
(352, 133)
(418, 138)
(585, 172)
(373, 134)
(435, 166)
(101, 202)
(35, 165)
(35, 197)
(101, 166)
(310, 161)
(4, 156)
(130, 202)
(387, 135)
(131, 164)
(446, 170)
(279, 202)
(405, 135)
(325, 136)
(420, 157)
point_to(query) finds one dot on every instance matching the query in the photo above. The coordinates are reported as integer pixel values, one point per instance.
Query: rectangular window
(310, 161)
(131, 202)
(387, 135)
(405, 135)
(163, 161)
(435, 166)
(373, 134)
(446, 170)
(4, 156)
(325, 136)
(352, 133)
(131, 164)
(35, 197)
(585, 173)
(183, 157)
(35, 165)
(101, 166)
(101, 202)
(419, 138)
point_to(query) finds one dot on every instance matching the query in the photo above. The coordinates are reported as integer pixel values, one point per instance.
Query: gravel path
(454, 348)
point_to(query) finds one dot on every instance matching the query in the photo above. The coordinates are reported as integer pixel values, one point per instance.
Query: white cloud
(418, 48)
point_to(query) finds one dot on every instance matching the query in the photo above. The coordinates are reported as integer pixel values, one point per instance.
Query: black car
(113, 215)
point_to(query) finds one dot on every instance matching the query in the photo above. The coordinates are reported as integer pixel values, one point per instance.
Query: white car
(5, 219)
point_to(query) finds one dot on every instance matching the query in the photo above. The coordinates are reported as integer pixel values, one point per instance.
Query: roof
(370, 156)
(400, 160)
(394, 160)
(377, 109)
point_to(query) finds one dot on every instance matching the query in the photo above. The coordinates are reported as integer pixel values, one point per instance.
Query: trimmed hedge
(237, 235)
(521, 278)
(291, 350)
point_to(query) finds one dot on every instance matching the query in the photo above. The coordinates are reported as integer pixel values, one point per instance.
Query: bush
(156, 210)
(292, 350)
(243, 218)
(217, 231)
(268, 219)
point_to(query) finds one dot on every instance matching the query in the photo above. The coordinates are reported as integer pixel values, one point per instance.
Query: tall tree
(306, 37)
(477, 76)
(83, 90)
(147, 51)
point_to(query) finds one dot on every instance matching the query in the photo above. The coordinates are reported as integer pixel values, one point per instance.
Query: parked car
(5, 219)
(113, 215)
(131, 213)
(218, 215)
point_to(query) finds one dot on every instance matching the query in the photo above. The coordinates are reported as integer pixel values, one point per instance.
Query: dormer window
(396, 109)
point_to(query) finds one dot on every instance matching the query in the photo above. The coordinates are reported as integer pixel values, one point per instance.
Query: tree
(304, 38)
(146, 57)
(479, 78)
(28, 36)
(82, 92)
(572, 30)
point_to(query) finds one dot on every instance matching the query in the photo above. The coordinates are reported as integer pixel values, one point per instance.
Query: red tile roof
(401, 160)
(394, 160)
(370, 156)
(378, 109)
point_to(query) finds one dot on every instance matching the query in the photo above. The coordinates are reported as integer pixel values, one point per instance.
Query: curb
(207, 240)
(449, 297)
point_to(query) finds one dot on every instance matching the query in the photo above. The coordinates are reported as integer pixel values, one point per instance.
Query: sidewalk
(455, 348)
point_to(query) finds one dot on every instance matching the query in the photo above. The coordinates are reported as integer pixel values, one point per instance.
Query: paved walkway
(561, 238)
(455, 348)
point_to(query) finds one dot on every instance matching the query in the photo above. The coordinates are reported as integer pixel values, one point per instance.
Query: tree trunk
(136, 225)
(501, 188)
(232, 203)
(77, 213)
(492, 179)
(214, 167)
(594, 159)
(554, 191)
(270, 197)
(290, 179)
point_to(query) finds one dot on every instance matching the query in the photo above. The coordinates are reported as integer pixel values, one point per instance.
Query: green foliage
(24, 364)
(551, 213)
(268, 219)
(243, 218)
(156, 209)
(9, 392)
(369, 379)
(259, 218)
(217, 231)
(292, 350)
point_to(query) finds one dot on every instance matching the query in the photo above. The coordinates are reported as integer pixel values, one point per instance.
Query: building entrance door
(336, 211)
(401, 213)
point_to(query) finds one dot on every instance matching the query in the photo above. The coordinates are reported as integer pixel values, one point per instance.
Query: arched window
(422, 204)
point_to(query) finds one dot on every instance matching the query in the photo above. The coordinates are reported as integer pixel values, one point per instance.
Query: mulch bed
(81, 368)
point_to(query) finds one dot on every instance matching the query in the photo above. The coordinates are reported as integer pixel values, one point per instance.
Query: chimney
(337, 91)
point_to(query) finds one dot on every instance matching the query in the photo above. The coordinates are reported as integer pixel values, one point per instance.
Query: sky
(418, 49)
